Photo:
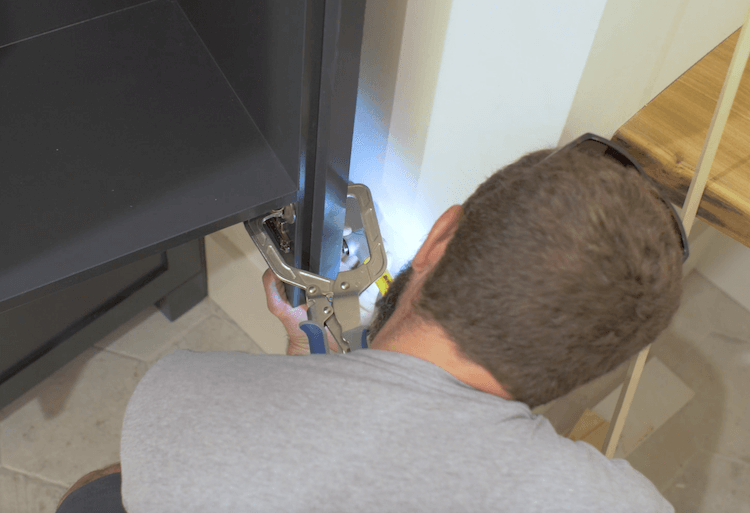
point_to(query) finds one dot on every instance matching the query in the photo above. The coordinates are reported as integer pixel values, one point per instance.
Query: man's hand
(290, 317)
(91, 476)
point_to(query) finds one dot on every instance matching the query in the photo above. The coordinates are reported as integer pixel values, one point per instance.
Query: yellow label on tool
(384, 282)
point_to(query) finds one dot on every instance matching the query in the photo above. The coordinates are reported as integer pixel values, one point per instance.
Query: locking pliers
(331, 303)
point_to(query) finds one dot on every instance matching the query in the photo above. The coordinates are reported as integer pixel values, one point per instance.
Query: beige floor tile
(216, 333)
(705, 309)
(663, 455)
(715, 360)
(70, 424)
(150, 334)
(734, 441)
(722, 426)
(659, 396)
(686, 360)
(698, 424)
(732, 357)
(707, 348)
(23, 494)
(711, 483)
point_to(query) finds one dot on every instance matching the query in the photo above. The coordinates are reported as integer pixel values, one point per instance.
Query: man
(554, 272)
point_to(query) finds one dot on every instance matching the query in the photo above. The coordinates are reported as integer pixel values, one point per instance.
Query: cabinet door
(127, 127)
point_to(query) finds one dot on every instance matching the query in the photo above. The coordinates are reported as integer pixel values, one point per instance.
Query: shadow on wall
(399, 65)
(381, 48)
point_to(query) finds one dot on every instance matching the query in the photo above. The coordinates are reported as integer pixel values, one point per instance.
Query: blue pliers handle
(318, 340)
(316, 337)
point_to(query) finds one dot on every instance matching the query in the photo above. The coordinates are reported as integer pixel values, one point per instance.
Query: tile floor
(70, 424)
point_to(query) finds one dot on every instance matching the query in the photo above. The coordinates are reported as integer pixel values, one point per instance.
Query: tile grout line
(122, 355)
(34, 476)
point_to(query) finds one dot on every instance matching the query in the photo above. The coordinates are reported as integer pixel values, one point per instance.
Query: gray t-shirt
(369, 431)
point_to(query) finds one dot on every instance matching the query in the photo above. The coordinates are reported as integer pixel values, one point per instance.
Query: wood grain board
(668, 134)
(591, 428)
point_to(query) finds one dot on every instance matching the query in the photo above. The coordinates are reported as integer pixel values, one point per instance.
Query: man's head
(558, 271)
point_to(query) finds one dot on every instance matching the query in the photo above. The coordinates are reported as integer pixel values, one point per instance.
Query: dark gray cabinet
(129, 130)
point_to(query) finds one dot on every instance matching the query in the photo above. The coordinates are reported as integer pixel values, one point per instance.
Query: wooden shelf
(668, 134)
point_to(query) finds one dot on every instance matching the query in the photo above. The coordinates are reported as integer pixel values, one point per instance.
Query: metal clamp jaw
(331, 303)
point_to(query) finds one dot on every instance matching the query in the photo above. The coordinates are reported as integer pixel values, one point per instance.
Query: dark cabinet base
(184, 297)
(41, 336)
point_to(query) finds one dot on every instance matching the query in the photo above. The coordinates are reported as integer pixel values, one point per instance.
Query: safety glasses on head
(594, 144)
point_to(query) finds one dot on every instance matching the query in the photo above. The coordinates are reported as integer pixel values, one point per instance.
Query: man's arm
(290, 317)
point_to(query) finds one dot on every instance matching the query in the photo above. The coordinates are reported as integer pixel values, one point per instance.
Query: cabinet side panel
(259, 47)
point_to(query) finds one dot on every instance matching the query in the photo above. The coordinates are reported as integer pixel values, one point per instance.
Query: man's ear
(440, 235)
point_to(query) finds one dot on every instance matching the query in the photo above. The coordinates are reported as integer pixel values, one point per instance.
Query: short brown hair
(559, 271)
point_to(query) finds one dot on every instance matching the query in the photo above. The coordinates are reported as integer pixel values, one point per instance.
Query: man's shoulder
(579, 470)
(404, 416)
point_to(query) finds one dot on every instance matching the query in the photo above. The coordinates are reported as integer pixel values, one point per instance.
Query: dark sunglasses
(593, 144)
